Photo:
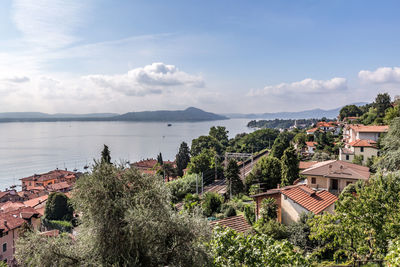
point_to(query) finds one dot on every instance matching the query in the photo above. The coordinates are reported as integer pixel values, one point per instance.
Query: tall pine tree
(106, 155)
(182, 158)
(290, 166)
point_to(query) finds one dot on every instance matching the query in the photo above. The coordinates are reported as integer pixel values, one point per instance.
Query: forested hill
(189, 114)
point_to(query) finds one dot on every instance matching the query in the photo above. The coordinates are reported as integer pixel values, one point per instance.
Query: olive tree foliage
(230, 248)
(126, 220)
(390, 148)
(366, 219)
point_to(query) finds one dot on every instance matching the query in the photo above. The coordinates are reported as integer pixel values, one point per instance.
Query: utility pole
(197, 188)
(202, 182)
(230, 188)
(215, 172)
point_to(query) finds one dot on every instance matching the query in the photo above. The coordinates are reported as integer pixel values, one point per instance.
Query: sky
(223, 56)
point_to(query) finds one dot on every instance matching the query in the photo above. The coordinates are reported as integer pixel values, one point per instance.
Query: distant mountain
(189, 114)
(306, 114)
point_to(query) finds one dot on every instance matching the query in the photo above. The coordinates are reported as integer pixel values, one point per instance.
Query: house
(10, 195)
(334, 175)
(149, 166)
(359, 147)
(294, 200)
(311, 146)
(306, 164)
(355, 132)
(237, 223)
(10, 224)
(312, 131)
(39, 181)
(59, 187)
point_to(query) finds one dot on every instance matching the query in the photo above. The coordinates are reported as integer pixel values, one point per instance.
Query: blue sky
(223, 56)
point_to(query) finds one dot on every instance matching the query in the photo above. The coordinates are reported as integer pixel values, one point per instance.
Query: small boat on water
(169, 124)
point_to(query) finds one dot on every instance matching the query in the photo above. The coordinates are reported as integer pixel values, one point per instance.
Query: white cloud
(151, 79)
(381, 75)
(307, 86)
(17, 79)
(48, 23)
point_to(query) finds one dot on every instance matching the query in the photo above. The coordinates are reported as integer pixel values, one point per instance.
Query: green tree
(290, 166)
(205, 143)
(179, 188)
(369, 117)
(268, 209)
(230, 248)
(126, 220)
(253, 142)
(191, 202)
(382, 103)
(391, 114)
(266, 172)
(58, 207)
(212, 203)
(358, 159)
(220, 133)
(106, 155)
(300, 140)
(160, 159)
(390, 148)
(281, 143)
(299, 233)
(182, 158)
(365, 220)
(349, 111)
(204, 162)
(235, 184)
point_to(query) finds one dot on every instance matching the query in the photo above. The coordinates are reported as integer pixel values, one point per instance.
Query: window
(313, 180)
(347, 157)
(4, 247)
(362, 149)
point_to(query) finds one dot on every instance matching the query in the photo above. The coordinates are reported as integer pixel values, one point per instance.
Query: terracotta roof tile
(58, 186)
(369, 128)
(56, 174)
(312, 130)
(311, 200)
(312, 144)
(306, 164)
(338, 169)
(237, 223)
(363, 143)
(35, 201)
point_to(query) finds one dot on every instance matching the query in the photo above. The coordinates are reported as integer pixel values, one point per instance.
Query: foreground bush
(230, 248)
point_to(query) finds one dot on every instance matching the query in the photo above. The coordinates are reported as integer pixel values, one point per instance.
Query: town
(303, 189)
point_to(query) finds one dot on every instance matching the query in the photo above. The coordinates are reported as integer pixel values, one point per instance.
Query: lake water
(38, 147)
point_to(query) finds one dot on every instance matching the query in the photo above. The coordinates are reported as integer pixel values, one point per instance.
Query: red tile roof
(58, 186)
(9, 206)
(312, 130)
(306, 164)
(326, 124)
(369, 128)
(338, 169)
(36, 201)
(312, 144)
(311, 200)
(14, 219)
(366, 143)
(56, 174)
(237, 223)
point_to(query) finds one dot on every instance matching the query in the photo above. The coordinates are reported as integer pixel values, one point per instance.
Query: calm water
(29, 148)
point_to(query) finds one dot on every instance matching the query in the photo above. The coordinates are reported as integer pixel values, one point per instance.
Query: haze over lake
(29, 148)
